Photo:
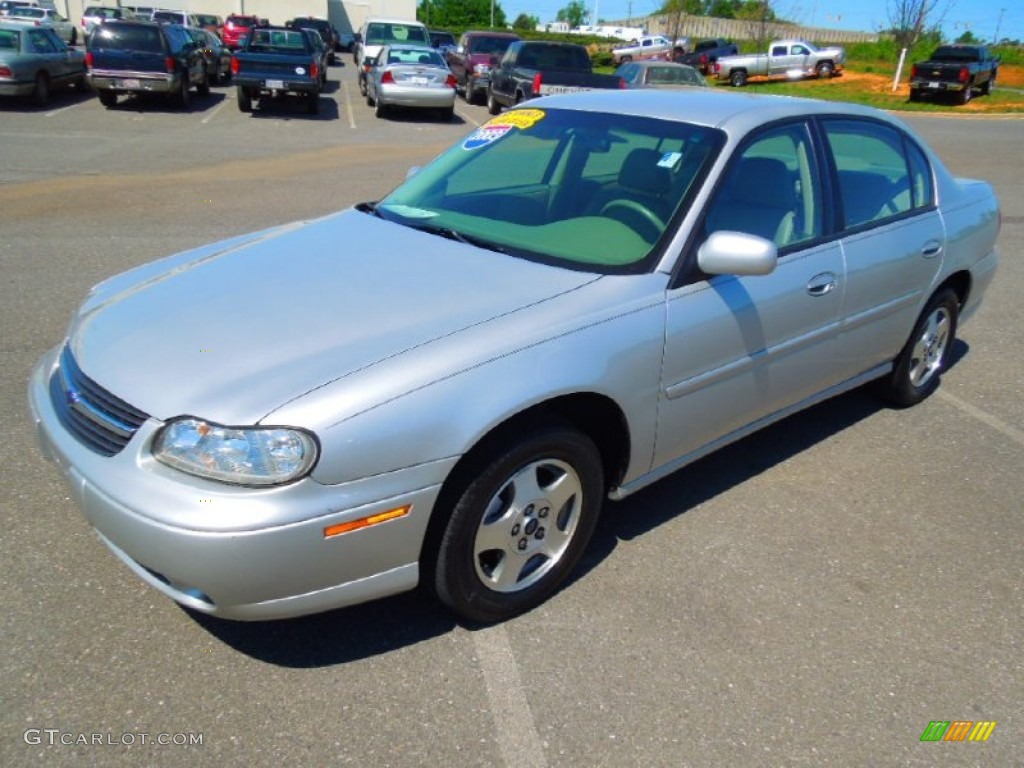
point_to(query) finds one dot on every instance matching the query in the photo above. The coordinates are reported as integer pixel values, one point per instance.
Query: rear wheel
(204, 87)
(379, 110)
(922, 360)
(107, 98)
(244, 99)
(986, 89)
(520, 524)
(41, 90)
(448, 114)
(184, 96)
(965, 95)
(313, 103)
(914, 95)
(738, 78)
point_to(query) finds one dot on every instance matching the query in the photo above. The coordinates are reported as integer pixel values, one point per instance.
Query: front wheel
(492, 104)
(520, 525)
(917, 368)
(825, 70)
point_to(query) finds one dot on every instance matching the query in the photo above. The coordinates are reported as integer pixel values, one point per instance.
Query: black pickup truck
(278, 61)
(705, 54)
(954, 69)
(532, 68)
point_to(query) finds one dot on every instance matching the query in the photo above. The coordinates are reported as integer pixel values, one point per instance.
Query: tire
(919, 365)
(203, 89)
(313, 103)
(825, 70)
(244, 99)
(738, 78)
(41, 90)
(492, 104)
(964, 96)
(447, 114)
(362, 84)
(184, 97)
(989, 85)
(914, 95)
(468, 93)
(369, 100)
(107, 98)
(379, 110)
(520, 525)
(74, 37)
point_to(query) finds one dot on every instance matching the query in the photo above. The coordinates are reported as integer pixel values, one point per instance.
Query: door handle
(821, 285)
(931, 249)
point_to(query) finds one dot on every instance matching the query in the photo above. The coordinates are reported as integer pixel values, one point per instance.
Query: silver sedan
(441, 388)
(410, 76)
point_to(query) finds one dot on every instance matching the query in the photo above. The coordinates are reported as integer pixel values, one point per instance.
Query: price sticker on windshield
(494, 129)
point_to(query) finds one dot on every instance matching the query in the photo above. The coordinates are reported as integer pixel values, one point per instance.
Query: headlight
(238, 455)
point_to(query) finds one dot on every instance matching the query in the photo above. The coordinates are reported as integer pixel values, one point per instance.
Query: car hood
(233, 331)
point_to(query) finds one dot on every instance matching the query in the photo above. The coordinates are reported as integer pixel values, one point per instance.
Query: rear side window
(881, 174)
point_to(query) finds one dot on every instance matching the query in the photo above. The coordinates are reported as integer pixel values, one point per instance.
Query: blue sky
(980, 16)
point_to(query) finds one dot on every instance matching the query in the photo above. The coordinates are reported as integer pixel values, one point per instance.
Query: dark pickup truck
(470, 62)
(706, 53)
(532, 68)
(277, 61)
(954, 69)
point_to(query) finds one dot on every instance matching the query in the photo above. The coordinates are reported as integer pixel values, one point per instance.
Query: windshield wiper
(454, 234)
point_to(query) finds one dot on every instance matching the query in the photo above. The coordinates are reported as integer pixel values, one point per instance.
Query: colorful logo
(958, 730)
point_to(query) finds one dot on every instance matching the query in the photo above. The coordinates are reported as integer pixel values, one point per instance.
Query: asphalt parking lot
(814, 595)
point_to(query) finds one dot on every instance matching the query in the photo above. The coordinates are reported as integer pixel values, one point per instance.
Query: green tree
(684, 7)
(460, 14)
(525, 22)
(575, 13)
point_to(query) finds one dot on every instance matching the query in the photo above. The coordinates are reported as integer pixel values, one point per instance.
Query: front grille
(102, 422)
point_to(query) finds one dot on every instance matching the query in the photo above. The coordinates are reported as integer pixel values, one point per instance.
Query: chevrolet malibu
(442, 387)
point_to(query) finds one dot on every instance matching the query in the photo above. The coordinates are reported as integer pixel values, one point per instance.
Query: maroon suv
(236, 27)
(471, 61)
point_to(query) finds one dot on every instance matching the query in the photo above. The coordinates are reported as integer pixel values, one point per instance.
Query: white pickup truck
(786, 58)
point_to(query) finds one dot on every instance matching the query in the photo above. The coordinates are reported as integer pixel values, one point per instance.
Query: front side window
(875, 177)
(579, 189)
(771, 190)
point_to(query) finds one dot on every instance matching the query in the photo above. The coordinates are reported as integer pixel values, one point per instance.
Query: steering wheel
(645, 213)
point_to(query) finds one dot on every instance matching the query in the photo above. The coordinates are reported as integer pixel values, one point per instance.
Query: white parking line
(348, 106)
(213, 112)
(1000, 426)
(516, 732)
(64, 109)
(468, 118)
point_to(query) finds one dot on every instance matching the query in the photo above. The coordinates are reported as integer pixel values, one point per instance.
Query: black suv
(144, 57)
(323, 26)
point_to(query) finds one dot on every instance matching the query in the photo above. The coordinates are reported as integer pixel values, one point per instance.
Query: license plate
(419, 81)
(275, 85)
(552, 89)
(933, 85)
(132, 84)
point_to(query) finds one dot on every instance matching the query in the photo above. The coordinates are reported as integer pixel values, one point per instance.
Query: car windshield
(585, 190)
(494, 45)
(666, 75)
(380, 33)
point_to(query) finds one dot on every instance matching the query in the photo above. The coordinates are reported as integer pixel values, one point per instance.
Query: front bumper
(241, 553)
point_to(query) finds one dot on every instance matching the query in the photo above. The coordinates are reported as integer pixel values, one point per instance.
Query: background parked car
(659, 74)
(34, 61)
(211, 22)
(328, 33)
(137, 57)
(67, 31)
(442, 41)
(215, 54)
(237, 26)
(413, 77)
(97, 14)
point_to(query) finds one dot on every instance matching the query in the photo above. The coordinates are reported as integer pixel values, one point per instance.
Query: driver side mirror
(737, 253)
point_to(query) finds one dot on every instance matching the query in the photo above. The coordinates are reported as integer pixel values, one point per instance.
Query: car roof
(714, 108)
